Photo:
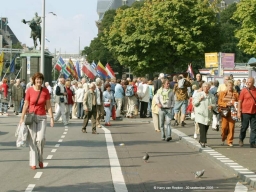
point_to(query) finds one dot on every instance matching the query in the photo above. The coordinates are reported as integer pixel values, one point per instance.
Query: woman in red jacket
(4, 99)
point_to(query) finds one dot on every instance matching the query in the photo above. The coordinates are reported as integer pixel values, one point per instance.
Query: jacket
(167, 102)
(202, 114)
(17, 92)
(88, 100)
(79, 95)
(154, 107)
(222, 95)
(60, 89)
(143, 92)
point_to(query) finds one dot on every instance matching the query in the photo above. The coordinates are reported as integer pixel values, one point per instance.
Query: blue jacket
(119, 91)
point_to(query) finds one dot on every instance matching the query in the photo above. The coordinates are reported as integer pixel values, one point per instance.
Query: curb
(241, 172)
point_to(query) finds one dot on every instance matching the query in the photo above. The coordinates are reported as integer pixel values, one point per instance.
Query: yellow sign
(211, 60)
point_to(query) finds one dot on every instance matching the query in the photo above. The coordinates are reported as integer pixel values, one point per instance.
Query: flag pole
(18, 74)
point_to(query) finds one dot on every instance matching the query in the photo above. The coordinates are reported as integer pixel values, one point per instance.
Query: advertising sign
(228, 60)
(211, 60)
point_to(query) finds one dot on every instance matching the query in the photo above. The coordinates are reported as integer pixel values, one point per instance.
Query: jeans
(21, 105)
(80, 110)
(180, 106)
(165, 115)
(246, 119)
(3, 107)
(108, 111)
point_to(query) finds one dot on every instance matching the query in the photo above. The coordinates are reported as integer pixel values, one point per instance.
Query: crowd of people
(162, 99)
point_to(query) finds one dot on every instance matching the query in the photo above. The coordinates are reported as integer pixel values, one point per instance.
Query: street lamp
(42, 38)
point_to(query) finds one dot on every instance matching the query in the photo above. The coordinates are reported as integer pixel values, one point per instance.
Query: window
(222, 4)
(124, 2)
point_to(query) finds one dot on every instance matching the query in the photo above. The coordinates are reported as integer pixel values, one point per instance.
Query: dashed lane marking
(63, 136)
(65, 133)
(60, 140)
(57, 145)
(30, 188)
(54, 150)
(49, 157)
(38, 175)
(45, 164)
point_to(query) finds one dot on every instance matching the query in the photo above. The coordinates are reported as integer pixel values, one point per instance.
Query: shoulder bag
(251, 95)
(30, 117)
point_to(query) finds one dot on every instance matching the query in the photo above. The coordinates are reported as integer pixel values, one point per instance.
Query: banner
(1, 63)
(211, 60)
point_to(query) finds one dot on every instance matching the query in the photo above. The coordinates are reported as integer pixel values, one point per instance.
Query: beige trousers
(100, 113)
(36, 140)
(155, 121)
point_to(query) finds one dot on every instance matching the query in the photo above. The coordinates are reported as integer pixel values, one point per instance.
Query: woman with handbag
(4, 98)
(108, 99)
(203, 104)
(36, 101)
(226, 102)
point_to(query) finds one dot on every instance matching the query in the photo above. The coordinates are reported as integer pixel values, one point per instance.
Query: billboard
(211, 60)
(228, 60)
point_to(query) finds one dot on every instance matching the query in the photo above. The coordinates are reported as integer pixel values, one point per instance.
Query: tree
(163, 35)
(245, 15)
(228, 40)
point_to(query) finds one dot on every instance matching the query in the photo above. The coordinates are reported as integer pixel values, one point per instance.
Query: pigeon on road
(146, 157)
(199, 174)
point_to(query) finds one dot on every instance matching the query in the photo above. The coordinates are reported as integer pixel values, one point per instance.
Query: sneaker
(252, 145)
(163, 139)
(230, 145)
(241, 143)
(99, 126)
(222, 144)
(84, 130)
(169, 139)
(183, 123)
(195, 136)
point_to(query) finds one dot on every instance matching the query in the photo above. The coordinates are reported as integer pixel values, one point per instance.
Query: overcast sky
(74, 19)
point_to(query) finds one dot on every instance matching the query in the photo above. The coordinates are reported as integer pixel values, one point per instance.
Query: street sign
(28, 65)
(211, 60)
(228, 60)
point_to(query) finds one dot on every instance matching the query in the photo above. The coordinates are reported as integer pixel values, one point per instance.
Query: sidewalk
(240, 160)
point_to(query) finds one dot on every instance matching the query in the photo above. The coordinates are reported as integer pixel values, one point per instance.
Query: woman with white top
(79, 94)
(108, 99)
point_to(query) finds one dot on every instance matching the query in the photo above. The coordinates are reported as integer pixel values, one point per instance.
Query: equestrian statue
(34, 24)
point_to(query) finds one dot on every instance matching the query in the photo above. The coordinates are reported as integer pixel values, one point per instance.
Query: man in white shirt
(46, 84)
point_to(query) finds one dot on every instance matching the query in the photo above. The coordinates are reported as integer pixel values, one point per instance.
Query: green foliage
(163, 35)
(17, 46)
(245, 15)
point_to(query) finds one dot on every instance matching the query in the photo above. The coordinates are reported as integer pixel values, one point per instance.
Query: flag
(94, 66)
(78, 69)
(190, 71)
(110, 71)
(1, 63)
(89, 71)
(59, 64)
(101, 70)
(47, 39)
(62, 66)
(12, 65)
(71, 69)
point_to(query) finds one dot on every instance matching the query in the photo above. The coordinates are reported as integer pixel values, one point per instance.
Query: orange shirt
(226, 97)
(247, 102)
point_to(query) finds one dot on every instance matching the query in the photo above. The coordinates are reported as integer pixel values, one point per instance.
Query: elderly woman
(99, 100)
(108, 99)
(203, 104)
(37, 100)
(226, 101)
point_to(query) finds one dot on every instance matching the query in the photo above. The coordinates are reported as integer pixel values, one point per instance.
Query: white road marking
(60, 140)
(242, 169)
(116, 171)
(63, 136)
(240, 187)
(237, 166)
(57, 145)
(30, 188)
(246, 172)
(250, 176)
(38, 175)
(65, 133)
(66, 129)
(49, 157)
(45, 164)
(54, 150)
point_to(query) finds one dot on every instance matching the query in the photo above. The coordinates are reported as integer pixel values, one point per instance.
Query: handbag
(192, 117)
(30, 117)
(106, 104)
(224, 112)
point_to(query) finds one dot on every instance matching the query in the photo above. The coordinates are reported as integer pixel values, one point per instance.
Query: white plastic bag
(192, 116)
(21, 134)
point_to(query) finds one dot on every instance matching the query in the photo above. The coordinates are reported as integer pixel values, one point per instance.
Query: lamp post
(42, 38)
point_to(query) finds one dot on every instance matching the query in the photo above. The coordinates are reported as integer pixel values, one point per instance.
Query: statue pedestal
(31, 61)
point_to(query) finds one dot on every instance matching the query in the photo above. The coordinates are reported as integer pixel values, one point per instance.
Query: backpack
(181, 83)
(129, 91)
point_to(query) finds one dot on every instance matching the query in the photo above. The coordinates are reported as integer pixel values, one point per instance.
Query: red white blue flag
(110, 71)
(190, 71)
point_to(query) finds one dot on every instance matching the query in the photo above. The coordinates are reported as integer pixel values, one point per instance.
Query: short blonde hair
(67, 83)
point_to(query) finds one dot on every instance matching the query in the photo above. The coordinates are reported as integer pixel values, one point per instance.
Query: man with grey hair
(17, 95)
(99, 101)
(89, 105)
(85, 84)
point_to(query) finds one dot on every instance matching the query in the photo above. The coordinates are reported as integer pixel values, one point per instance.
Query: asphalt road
(77, 161)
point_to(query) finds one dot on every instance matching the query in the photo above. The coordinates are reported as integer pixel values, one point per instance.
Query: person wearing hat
(158, 82)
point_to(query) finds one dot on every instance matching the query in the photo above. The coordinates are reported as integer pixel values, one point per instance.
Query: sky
(74, 19)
